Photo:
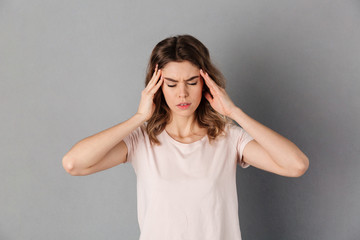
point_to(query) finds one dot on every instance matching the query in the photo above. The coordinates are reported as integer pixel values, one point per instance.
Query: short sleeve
(243, 138)
(131, 141)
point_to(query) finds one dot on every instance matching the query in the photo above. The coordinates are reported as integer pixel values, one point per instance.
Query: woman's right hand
(147, 106)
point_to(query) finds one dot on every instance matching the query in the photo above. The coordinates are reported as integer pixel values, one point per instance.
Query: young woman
(184, 147)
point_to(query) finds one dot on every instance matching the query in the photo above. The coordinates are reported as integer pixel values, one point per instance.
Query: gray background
(70, 69)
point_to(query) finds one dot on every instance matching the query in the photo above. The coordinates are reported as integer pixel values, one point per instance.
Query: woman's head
(183, 48)
(181, 57)
(182, 84)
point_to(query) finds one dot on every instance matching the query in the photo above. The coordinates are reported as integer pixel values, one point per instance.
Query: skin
(176, 89)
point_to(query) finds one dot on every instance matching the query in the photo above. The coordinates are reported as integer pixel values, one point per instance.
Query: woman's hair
(177, 49)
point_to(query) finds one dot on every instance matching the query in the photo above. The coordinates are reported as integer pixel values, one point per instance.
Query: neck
(182, 126)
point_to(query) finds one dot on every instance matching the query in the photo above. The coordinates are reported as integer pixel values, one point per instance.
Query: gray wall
(70, 69)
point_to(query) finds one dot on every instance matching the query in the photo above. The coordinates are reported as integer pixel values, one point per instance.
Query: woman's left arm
(270, 146)
(269, 150)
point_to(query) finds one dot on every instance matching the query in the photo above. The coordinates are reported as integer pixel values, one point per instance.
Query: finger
(208, 81)
(157, 86)
(156, 68)
(154, 73)
(206, 78)
(154, 79)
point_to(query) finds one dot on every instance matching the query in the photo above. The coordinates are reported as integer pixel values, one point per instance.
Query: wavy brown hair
(177, 49)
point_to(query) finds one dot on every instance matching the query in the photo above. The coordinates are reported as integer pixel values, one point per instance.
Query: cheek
(199, 91)
(163, 89)
(196, 95)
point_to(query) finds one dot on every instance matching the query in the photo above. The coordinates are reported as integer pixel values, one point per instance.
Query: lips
(183, 104)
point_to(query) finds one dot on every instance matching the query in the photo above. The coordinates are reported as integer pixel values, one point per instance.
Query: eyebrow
(173, 80)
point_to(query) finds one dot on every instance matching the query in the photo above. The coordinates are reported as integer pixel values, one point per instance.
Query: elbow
(68, 165)
(304, 166)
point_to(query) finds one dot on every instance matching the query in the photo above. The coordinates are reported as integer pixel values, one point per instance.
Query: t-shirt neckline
(167, 135)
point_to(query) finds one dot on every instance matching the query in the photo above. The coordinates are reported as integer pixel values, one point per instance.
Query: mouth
(183, 105)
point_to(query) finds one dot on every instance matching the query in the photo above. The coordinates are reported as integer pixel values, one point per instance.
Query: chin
(183, 113)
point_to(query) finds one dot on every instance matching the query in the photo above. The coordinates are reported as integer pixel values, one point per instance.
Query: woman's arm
(106, 149)
(269, 150)
(93, 149)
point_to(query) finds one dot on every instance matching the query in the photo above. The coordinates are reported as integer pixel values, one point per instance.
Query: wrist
(139, 118)
(235, 112)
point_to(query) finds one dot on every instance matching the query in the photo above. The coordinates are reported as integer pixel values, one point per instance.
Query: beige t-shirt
(187, 191)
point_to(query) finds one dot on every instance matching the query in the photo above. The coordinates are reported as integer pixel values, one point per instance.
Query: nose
(183, 91)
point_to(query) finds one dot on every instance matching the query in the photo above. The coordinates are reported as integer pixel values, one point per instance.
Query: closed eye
(188, 83)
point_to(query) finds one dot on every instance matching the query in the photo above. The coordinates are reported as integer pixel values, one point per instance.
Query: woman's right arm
(107, 149)
(101, 151)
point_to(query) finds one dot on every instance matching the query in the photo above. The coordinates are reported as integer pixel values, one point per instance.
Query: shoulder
(232, 128)
(141, 130)
(229, 132)
(142, 127)
(137, 133)
(236, 133)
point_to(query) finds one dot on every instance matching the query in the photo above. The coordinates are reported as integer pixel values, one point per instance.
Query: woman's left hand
(220, 100)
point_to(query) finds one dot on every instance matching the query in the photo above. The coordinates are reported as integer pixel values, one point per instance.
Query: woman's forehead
(183, 69)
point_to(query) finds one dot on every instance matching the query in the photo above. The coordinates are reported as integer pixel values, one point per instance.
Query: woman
(184, 147)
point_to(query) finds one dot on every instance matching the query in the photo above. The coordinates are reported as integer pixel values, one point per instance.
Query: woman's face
(182, 85)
